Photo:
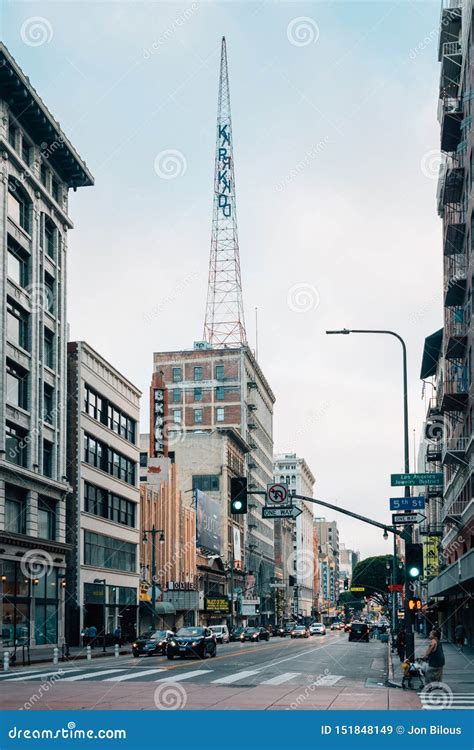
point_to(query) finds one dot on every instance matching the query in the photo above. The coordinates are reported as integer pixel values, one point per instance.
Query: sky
(336, 147)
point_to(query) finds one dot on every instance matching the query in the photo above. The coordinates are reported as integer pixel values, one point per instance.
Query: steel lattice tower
(224, 324)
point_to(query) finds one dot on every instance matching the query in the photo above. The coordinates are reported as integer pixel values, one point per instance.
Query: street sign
(357, 588)
(290, 512)
(400, 518)
(407, 503)
(277, 494)
(429, 479)
(277, 585)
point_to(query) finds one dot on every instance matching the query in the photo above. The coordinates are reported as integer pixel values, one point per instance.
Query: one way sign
(402, 518)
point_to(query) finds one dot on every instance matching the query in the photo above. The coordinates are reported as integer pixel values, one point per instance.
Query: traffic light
(346, 584)
(415, 605)
(414, 561)
(238, 495)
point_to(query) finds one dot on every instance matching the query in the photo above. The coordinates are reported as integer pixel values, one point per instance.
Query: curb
(391, 672)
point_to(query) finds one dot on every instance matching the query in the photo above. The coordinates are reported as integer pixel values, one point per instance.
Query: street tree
(374, 575)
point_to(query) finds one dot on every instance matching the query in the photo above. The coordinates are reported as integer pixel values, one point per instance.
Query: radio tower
(224, 324)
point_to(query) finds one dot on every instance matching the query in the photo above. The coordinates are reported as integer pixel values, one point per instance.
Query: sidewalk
(40, 655)
(458, 672)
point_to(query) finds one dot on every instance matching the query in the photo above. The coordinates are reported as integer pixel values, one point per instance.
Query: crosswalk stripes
(44, 675)
(236, 676)
(280, 678)
(456, 702)
(135, 675)
(88, 675)
(177, 677)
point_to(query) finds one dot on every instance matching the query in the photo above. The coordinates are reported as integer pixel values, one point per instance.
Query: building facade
(295, 472)
(39, 166)
(328, 538)
(348, 559)
(103, 510)
(217, 388)
(451, 590)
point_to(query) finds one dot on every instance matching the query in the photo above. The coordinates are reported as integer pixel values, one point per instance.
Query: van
(221, 633)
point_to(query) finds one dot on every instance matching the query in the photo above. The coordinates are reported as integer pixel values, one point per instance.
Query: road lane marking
(91, 674)
(281, 678)
(42, 675)
(135, 676)
(185, 675)
(236, 676)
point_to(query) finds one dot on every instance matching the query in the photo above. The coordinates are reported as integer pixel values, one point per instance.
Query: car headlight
(242, 637)
(173, 643)
(135, 645)
(293, 632)
(194, 643)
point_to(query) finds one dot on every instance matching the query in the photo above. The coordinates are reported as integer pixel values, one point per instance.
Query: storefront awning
(161, 608)
(431, 354)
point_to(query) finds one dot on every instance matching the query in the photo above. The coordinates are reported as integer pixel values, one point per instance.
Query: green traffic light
(414, 572)
(237, 504)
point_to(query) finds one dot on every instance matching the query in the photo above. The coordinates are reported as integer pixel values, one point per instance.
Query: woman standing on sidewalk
(435, 657)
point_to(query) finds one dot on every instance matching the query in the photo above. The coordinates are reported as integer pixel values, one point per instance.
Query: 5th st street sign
(429, 479)
(281, 512)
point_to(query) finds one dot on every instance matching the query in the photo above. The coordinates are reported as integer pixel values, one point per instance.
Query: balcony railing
(453, 389)
(454, 238)
(450, 115)
(454, 450)
(455, 280)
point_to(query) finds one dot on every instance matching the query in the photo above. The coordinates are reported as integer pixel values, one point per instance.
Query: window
(48, 348)
(120, 423)
(44, 175)
(19, 206)
(12, 134)
(48, 404)
(176, 397)
(16, 445)
(176, 413)
(49, 294)
(219, 372)
(197, 416)
(50, 236)
(93, 405)
(220, 393)
(198, 394)
(95, 500)
(198, 373)
(108, 505)
(17, 381)
(17, 265)
(143, 460)
(176, 375)
(15, 510)
(105, 552)
(55, 189)
(17, 325)
(47, 518)
(206, 482)
(93, 453)
(220, 414)
(47, 458)
(120, 466)
(25, 150)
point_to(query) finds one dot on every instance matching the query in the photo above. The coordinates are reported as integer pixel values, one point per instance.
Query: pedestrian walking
(92, 635)
(118, 635)
(459, 635)
(401, 643)
(435, 657)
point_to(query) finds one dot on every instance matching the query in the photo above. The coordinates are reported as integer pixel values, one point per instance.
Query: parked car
(359, 632)
(300, 631)
(221, 632)
(255, 634)
(347, 627)
(200, 642)
(151, 643)
(317, 628)
(236, 633)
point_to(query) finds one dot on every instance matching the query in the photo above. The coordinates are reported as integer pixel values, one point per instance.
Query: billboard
(208, 522)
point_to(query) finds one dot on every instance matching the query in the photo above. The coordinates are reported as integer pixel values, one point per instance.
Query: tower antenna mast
(224, 324)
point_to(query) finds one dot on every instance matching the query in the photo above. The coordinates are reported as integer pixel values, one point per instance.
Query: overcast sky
(336, 158)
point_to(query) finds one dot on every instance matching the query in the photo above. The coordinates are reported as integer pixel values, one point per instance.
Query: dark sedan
(152, 643)
(255, 634)
(236, 633)
(359, 632)
(200, 642)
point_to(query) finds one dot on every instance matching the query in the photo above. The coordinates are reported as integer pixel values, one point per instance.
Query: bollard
(88, 653)
(116, 650)
(6, 661)
(55, 656)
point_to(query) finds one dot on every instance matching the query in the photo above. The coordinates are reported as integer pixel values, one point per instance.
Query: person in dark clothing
(118, 635)
(435, 657)
(401, 644)
(92, 635)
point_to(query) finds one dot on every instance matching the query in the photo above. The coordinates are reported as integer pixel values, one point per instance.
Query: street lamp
(103, 581)
(153, 533)
(409, 635)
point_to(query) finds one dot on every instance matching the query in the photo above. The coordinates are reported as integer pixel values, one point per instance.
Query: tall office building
(328, 539)
(39, 166)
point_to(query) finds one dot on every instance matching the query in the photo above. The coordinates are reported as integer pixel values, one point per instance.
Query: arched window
(19, 205)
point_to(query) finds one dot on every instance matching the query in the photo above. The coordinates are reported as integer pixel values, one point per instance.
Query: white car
(221, 632)
(317, 628)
